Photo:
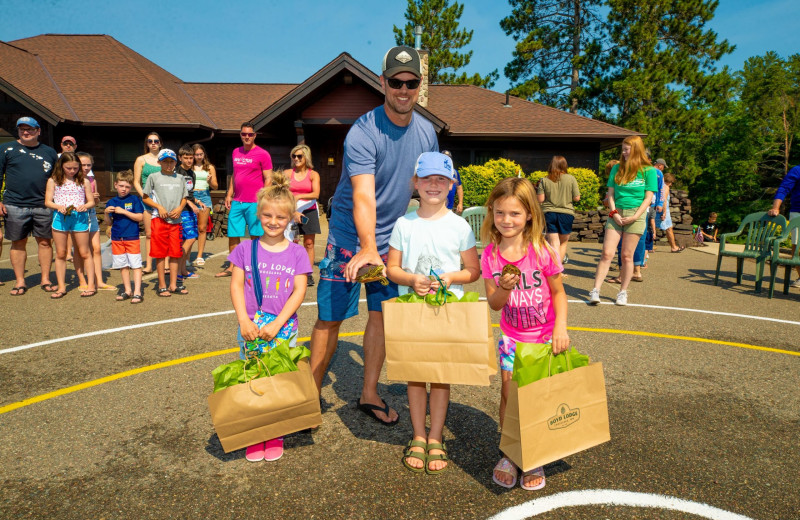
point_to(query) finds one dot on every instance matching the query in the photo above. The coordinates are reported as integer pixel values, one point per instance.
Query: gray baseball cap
(401, 59)
(661, 162)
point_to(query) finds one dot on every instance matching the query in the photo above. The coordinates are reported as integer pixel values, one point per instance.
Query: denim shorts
(337, 299)
(93, 225)
(21, 222)
(77, 221)
(243, 217)
(204, 196)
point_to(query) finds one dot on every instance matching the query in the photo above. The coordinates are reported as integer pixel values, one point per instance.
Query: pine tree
(659, 75)
(557, 43)
(443, 38)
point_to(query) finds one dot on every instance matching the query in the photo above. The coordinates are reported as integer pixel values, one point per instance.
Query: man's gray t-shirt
(168, 191)
(376, 146)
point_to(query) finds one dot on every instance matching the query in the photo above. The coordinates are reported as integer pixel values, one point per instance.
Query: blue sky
(271, 41)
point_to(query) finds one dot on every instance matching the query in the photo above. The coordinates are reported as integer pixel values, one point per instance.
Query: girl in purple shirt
(282, 267)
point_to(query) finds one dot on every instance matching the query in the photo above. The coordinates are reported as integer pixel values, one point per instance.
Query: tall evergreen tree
(557, 43)
(659, 75)
(443, 38)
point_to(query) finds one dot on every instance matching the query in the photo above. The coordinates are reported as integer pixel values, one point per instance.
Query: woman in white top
(205, 180)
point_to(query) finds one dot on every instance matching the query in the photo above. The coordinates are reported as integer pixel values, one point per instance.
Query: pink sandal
(507, 467)
(539, 472)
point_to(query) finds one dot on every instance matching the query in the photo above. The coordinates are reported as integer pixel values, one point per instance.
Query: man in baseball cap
(25, 166)
(68, 144)
(380, 155)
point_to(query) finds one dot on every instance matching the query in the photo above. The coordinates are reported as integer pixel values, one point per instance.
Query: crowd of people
(389, 152)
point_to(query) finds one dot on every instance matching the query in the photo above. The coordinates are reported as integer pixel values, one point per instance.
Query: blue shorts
(242, 217)
(337, 299)
(204, 196)
(560, 223)
(76, 221)
(94, 227)
(188, 225)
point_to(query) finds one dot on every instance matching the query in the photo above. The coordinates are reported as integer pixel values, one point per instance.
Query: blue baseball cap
(166, 153)
(28, 121)
(434, 163)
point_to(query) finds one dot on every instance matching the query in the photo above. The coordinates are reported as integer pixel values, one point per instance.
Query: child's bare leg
(60, 240)
(174, 269)
(417, 406)
(77, 262)
(202, 228)
(500, 475)
(162, 280)
(81, 241)
(70, 256)
(187, 251)
(439, 400)
(147, 217)
(97, 258)
(125, 273)
(137, 281)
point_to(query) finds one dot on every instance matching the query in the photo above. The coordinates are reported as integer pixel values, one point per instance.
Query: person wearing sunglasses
(304, 185)
(252, 170)
(68, 144)
(374, 190)
(144, 165)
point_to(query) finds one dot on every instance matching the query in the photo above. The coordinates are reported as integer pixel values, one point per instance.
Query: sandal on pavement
(223, 274)
(637, 279)
(57, 295)
(49, 287)
(88, 294)
(163, 292)
(539, 472)
(199, 261)
(439, 456)
(181, 289)
(508, 467)
(122, 296)
(19, 291)
(106, 287)
(136, 298)
(613, 279)
(370, 410)
(421, 455)
(679, 250)
(273, 449)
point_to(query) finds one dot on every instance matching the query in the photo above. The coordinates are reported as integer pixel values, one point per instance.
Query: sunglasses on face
(297, 156)
(397, 84)
(153, 141)
(248, 134)
(68, 143)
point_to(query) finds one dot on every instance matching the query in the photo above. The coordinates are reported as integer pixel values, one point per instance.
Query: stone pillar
(423, 88)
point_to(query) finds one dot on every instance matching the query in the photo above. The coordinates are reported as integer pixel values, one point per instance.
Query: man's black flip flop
(370, 410)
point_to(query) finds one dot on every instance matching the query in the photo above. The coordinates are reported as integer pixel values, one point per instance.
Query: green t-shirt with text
(631, 195)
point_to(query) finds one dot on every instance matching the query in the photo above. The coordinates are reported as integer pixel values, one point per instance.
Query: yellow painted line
(165, 364)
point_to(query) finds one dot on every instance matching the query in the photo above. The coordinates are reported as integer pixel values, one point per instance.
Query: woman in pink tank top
(304, 184)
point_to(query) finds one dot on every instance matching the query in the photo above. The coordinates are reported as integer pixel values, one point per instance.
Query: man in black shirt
(25, 166)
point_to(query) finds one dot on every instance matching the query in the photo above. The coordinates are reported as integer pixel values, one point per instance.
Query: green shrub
(588, 184)
(478, 181)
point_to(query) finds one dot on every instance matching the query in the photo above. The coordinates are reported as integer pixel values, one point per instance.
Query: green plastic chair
(787, 263)
(761, 230)
(475, 216)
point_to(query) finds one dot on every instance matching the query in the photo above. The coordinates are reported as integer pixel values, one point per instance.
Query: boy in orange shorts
(126, 211)
(166, 193)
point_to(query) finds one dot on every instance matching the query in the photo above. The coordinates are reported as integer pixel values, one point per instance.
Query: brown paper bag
(555, 417)
(265, 408)
(450, 344)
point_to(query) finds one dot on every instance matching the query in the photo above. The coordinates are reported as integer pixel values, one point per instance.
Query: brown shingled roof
(475, 111)
(122, 87)
(231, 104)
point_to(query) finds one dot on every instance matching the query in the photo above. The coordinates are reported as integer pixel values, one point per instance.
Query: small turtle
(69, 210)
(511, 269)
(371, 273)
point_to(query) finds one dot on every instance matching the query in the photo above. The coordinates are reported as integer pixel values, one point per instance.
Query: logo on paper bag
(564, 417)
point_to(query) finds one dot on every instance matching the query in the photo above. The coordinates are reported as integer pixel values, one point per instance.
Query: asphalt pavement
(703, 388)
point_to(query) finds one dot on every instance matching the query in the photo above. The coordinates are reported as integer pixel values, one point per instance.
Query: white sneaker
(594, 297)
(622, 298)
(796, 284)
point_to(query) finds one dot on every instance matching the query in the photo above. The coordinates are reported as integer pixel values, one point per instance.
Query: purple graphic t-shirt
(528, 316)
(277, 272)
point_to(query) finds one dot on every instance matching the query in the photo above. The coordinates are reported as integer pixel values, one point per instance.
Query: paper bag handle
(550, 361)
(250, 381)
